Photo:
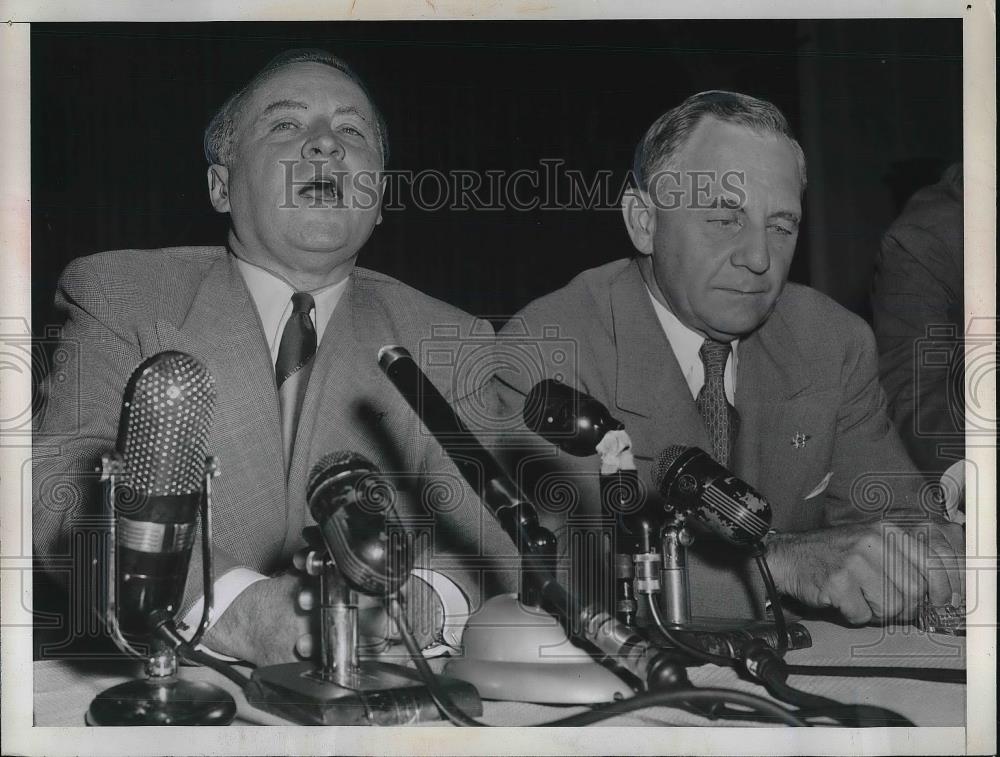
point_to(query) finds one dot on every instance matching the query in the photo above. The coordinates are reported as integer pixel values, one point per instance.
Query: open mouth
(325, 191)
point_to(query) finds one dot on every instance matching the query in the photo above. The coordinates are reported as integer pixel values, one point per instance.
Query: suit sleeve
(873, 476)
(917, 287)
(77, 422)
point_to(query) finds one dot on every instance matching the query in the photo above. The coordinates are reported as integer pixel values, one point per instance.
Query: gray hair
(668, 134)
(221, 130)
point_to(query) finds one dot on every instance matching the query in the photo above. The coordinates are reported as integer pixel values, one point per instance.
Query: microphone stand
(344, 690)
(669, 603)
(161, 698)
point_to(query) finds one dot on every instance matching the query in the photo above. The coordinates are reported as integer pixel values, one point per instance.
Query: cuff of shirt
(226, 588)
(456, 611)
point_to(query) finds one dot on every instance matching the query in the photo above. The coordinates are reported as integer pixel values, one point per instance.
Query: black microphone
(693, 483)
(478, 467)
(568, 418)
(353, 506)
(576, 422)
(517, 516)
(162, 437)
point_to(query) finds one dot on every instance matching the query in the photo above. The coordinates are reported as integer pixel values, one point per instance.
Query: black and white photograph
(418, 369)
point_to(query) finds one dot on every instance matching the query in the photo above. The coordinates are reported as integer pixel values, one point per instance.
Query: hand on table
(871, 572)
(276, 620)
(376, 630)
(264, 624)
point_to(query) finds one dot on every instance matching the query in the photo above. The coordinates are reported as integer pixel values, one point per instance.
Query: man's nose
(752, 251)
(322, 142)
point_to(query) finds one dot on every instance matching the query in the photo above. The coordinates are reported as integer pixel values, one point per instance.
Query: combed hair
(668, 134)
(221, 130)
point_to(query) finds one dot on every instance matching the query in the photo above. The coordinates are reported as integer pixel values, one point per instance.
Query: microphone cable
(167, 631)
(764, 664)
(677, 641)
(760, 557)
(444, 702)
(934, 675)
(679, 698)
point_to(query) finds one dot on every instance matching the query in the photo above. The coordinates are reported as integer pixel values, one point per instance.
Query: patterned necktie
(292, 368)
(719, 416)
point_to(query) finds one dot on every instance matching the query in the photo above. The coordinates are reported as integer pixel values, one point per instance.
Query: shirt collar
(686, 343)
(272, 295)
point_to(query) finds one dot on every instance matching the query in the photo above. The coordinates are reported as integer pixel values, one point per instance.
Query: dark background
(118, 112)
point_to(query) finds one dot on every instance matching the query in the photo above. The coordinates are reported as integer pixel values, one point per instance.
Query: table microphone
(622, 648)
(163, 435)
(577, 424)
(695, 484)
(359, 545)
(568, 418)
(155, 484)
(353, 506)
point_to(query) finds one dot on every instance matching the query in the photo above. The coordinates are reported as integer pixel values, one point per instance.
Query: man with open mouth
(290, 329)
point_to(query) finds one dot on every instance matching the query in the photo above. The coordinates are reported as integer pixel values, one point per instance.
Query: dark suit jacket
(810, 370)
(918, 307)
(122, 307)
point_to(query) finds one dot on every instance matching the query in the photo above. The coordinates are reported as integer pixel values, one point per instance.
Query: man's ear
(640, 219)
(218, 187)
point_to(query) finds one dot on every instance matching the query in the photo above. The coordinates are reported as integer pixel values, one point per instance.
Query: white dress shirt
(686, 343)
(272, 296)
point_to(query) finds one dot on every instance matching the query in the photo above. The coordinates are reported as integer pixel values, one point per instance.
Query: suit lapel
(223, 330)
(649, 379)
(346, 402)
(771, 381)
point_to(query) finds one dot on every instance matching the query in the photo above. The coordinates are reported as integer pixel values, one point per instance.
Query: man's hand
(264, 624)
(376, 630)
(277, 620)
(872, 571)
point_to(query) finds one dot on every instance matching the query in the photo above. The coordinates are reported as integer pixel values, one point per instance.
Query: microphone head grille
(334, 464)
(166, 418)
(664, 462)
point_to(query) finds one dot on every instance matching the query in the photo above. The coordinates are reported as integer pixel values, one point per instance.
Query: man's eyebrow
(351, 110)
(787, 215)
(284, 105)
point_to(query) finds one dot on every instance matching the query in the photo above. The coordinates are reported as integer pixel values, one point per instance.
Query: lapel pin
(800, 439)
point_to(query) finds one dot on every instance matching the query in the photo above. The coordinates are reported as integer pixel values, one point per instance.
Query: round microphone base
(162, 701)
(518, 653)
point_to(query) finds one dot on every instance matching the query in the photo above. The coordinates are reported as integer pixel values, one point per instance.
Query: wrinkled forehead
(722, 158)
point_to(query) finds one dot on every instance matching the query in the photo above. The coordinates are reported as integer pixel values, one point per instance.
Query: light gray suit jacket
(122, 307)
(810, 372)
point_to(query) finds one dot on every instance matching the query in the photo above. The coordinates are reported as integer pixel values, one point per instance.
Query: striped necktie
(292, 368)
(719, 416)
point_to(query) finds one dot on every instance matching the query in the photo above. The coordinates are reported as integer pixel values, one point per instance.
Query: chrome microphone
(156, 484)
(693, 483)
(353, 506)
(163, 435)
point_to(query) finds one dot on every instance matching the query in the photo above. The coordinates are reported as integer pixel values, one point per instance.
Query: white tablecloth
(63, 689)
